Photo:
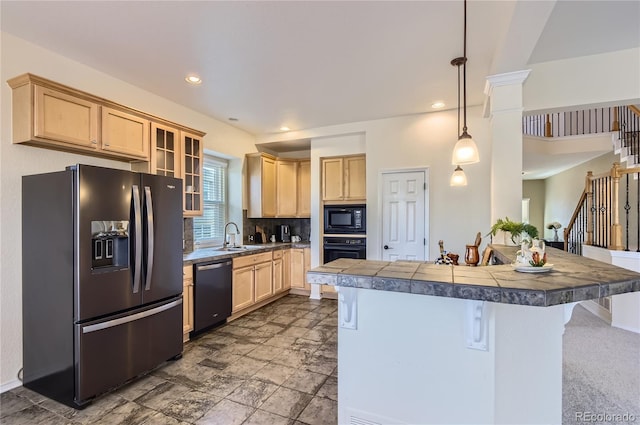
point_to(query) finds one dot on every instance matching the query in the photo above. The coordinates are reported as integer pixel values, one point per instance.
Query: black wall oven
(345, 219)
(341, 247)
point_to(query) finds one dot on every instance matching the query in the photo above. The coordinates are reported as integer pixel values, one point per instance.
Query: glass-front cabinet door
(165, 150)
(192, 174)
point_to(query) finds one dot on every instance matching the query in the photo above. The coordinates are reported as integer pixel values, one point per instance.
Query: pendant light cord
(458, 128)
(464, 70)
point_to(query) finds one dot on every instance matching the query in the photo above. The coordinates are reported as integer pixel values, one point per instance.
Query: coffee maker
(284, 233)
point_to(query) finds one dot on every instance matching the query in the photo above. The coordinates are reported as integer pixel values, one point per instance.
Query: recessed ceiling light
(284, 128)
(437, 105)
(193, 79)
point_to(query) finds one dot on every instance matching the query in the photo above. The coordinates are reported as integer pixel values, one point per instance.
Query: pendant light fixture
(458, 178)
(465, 150)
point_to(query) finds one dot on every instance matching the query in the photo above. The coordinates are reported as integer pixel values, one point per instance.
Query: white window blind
(208, 230)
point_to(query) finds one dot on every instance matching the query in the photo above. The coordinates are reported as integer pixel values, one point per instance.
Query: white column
(505, 112)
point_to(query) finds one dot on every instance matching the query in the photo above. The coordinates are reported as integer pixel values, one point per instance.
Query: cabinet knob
(94, 142)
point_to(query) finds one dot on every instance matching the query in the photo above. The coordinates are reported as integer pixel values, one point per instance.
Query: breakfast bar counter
(420, 343)
(570, 278)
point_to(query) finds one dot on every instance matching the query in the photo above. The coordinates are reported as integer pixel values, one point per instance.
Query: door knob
(387, 247)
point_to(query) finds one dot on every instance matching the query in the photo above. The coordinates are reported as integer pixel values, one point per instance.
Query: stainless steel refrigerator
(102, 279)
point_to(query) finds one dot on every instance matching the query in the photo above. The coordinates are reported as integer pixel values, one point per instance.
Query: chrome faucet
(224, 243)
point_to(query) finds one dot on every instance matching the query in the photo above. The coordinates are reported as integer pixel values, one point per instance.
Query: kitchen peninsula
(424, 343)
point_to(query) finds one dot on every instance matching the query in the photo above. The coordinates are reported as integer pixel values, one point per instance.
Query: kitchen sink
(240, 248)
(232, 248)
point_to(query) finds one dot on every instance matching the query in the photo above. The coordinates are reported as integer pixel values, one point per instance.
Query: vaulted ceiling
(308, 64)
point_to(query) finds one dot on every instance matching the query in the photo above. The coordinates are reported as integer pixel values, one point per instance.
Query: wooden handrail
(573, 219)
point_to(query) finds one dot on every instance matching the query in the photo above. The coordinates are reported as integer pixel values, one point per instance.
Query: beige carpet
(601, 372)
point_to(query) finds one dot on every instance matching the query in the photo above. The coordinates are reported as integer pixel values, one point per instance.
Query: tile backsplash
(187, 235)
(299, 227)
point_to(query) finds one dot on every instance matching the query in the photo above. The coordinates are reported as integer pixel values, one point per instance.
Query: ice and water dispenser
(109, 245)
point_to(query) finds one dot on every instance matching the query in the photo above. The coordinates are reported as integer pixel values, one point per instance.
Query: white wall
(414, 141)
(606, 79)
(18, 57)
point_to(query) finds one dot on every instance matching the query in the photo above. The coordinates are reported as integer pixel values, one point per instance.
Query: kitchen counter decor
(443, 337)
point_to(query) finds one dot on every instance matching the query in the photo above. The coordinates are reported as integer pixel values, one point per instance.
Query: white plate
(530, 269)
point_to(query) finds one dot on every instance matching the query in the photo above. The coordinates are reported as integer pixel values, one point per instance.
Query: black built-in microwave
(345, 219)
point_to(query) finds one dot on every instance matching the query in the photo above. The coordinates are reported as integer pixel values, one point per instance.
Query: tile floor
(276, 365)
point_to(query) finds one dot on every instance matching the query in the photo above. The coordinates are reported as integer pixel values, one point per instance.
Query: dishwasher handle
(213, 266)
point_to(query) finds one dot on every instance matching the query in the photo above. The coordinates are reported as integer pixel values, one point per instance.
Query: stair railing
(596, 219)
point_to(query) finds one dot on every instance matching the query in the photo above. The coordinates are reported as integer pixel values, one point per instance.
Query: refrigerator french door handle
(149, 203)
(137, 268)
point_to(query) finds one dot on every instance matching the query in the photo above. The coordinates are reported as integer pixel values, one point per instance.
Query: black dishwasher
(211, 294)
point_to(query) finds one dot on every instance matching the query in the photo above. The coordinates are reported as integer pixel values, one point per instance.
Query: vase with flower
(554, 226)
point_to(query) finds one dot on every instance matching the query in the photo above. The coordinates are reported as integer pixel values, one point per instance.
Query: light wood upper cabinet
(304, 189)
(44, 116)
(55, 116)
(344, 178)
(51, 115)
(355, 178)
(165, 151)
(125, 133)
(261, 179)
(332, 179)
(278, 187)
(192, 152)
(66, 119)
(286, 188)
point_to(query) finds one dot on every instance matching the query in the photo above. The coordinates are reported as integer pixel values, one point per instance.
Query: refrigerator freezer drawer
(113, 351)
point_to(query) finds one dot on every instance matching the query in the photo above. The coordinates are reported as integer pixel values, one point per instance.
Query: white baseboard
(595, 308)
(627, 328)
(10, 385)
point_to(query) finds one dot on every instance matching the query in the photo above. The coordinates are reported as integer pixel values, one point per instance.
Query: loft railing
(629, 133)
(586, 121)
(597, 218)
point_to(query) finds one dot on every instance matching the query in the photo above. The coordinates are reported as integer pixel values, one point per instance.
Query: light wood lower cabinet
(243, 285)
(286, 269)
(263, 280)
(187, 301)
(252, 280)
(300, 265)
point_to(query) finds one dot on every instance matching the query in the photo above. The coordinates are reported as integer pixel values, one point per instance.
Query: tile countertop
(213, 254)
(573, 278)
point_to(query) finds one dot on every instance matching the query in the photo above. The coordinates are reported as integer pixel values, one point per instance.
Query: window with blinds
(209, 228)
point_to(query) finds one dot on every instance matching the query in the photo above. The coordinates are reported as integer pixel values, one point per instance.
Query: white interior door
(404, 216)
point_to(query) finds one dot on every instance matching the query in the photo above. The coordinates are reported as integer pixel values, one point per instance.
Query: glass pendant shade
(465, 151)
(458, 178)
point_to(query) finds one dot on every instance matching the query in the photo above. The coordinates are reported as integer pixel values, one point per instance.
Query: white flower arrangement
(554, 225)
